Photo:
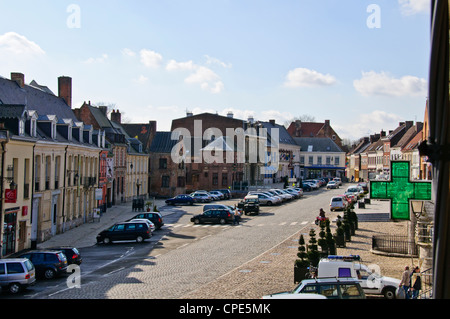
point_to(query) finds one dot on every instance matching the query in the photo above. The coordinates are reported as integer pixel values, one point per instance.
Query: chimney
(230, 115)
(409, 124)
(19, 78)
(116, 117)
(103, 109)
(65, 89)
(382, 134)
(327, 122)
(272, 122)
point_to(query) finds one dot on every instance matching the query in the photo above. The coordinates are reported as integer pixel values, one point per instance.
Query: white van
(351, 267)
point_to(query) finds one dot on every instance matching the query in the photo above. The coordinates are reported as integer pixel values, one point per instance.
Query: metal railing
(395, 244)
(427, 284)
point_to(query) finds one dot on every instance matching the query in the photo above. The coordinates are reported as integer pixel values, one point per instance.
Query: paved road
(183, 257)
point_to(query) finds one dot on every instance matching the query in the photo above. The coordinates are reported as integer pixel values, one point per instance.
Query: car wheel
(49, 274)
(139, 239)
(14, 288)
(269, 203)
(389, 293)
(222, 221)
(106, 240)
(196, 221)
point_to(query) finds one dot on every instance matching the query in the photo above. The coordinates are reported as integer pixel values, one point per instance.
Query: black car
(154, 217)
(125, 231)
(72, 254)
(214, 216)
(180, 199)
(48, 263)
(225, 192)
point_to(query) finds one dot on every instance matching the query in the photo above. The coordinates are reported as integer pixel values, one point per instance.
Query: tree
(302, 118)
(313, 252)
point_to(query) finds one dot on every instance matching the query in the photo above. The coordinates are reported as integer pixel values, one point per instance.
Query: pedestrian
(236, 216)
(405, 282)
(416, 283)
(322, 213)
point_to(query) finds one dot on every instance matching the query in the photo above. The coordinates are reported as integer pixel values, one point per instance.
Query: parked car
(217, 206)
(298, 189)
(338, 180)
(332, 185)
(364, 186)
(292, 192)
(154, 217)
(48, 263)
(338, 202)
(215, 216)
(277, 198)
(331, 288)
(73, 255)
(225, 192)
(284, 196)
(353, 190)
(180, 199)
(214, 196)
(17, 274)
(264, 199)
(200, 197)
(313, 185)
(251, 204)
(306, 187)
(125, 231)
(219, 194)
(143, 220)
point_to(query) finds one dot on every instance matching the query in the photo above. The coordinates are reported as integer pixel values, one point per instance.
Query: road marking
(116, 270)
(206, 236)
(182, 246)
(283, 223)
(293, 223)
(188, 225)
(304, 223)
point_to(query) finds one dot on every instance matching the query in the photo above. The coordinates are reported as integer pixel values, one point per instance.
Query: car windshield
(29, 265)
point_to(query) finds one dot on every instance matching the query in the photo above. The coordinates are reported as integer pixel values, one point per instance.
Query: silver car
(264, 199)
(16, 274)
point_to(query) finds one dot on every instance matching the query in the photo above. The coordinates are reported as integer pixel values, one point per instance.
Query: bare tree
(303, 118)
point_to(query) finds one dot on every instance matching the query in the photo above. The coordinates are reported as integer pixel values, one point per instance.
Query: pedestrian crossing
(192, 225)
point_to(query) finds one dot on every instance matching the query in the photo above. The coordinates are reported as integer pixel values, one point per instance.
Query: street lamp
(417, 207)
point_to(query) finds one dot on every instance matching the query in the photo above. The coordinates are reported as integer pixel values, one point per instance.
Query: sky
(361, 64)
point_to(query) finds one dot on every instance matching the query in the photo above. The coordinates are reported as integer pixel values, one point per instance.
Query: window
(328, 160)
(336, 161)
(310, 289)
(2, 269)
(14, 268)
(162, 163)
(224, 179)
(329, 291)
(131, 227)
(165, 181)
(319, 160)
(120, 227)
(215, 179)
(349, 291)
(181, 181)
(310, 160)
(302, 160)
(344, 272)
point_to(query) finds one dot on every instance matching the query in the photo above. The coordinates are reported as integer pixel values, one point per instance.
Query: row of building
(58, 164)
(371, 157)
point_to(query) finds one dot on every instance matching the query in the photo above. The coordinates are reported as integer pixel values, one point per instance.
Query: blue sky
(269, 59)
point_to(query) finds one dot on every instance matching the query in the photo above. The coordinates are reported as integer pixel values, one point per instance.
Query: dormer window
(21, 127)
(33, 125)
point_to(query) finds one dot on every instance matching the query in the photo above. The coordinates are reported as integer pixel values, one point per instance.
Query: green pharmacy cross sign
(400, 190)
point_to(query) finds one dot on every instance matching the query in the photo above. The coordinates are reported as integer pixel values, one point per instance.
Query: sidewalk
(85, 235)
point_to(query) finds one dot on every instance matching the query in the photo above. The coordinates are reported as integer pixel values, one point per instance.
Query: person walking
(405, 282)
(236, 216)
(416, 283)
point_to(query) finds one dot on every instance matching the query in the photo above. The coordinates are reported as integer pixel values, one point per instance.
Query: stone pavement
(85, 235)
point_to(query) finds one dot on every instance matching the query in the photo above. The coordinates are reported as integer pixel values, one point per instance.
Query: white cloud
(12, 42)
(173, 65)
(303, 77)
(151, 59)
(128, 52)
(373, 83)
(201, 75)
(141, 80)
(211, 60)
(101, 59)
(410, 7)
(368, 124)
